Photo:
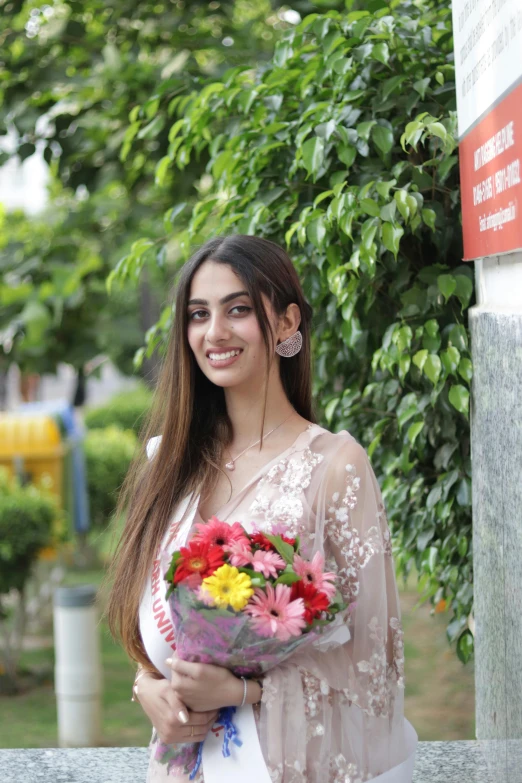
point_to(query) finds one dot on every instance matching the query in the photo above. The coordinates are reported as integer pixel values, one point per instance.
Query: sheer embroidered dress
(332, 716)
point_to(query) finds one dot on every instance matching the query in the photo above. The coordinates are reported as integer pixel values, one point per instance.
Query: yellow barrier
(31, 447)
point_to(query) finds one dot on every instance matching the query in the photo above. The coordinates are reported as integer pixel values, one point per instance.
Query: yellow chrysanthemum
(229, 588)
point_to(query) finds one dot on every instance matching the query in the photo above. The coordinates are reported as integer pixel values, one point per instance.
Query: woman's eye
(199, 315)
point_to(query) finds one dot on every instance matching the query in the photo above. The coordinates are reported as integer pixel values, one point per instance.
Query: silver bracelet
(244, 691)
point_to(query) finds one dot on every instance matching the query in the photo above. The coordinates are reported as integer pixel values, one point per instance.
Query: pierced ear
(292, 317)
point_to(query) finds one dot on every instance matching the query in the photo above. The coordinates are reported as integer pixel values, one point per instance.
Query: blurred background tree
(75, 76)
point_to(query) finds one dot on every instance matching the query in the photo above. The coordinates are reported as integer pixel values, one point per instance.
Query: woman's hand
(203, 686)
(169, 715)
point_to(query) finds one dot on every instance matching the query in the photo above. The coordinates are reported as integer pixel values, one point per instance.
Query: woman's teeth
(218, 356)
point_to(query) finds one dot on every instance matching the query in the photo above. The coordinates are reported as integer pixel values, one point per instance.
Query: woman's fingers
(183, 668)
(202, 718)
(197, 731)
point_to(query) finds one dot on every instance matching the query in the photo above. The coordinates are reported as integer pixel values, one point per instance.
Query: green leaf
(433, 367)
(383, 187)
(459, 398)
(391, 237)
(391, 84)
(387, 212)
(447, 285)
(368, 231)
(371, 207)
(429, 217)
(450, 359)
(421, 85)
(400, 197)
(316, 232)
(402, 337)
(153, 129)
(287, 579)
(325, 129)
(258, 580)
(464, 493)
(283, 52)
(313, 155)
(438, 129)
(419, 358)
(463, 290)
(424, 538)
(363, 129)
(346, 153)
(381, 53)
(404, 366)
(458, 337)
(330, 409)
(382, 138)
(465, 369)
(465, 646)
(285, 550)
(433, 556)
(406, 413)
(223, 162)
(412, 134)
(162, 169)
(414, 430)
(431, 327)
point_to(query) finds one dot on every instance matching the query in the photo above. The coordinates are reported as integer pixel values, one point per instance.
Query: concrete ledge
(437, 762)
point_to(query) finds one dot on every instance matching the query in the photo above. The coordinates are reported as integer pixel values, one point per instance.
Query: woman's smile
(222, 358)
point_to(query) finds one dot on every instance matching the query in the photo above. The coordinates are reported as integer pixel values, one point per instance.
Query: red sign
(491, 180)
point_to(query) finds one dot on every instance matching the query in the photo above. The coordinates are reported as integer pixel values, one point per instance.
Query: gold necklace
(231, 466)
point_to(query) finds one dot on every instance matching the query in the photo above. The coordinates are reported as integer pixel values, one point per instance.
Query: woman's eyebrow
(225, 299)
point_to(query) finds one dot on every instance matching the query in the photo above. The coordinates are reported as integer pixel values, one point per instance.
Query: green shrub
(108, 454)
(343, 148)
(26, 522)
(125, 410)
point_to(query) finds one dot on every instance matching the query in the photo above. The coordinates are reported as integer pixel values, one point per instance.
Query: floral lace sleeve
(336, 716)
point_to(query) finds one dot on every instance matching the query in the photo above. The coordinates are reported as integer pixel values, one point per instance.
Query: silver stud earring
(291, 345)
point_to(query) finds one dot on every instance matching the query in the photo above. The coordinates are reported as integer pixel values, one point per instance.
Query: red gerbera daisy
(260, 540)
(288, 540)
(198, 558)
(314, 601)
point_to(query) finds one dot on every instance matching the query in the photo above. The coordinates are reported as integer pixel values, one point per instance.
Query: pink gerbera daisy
(217, 533)
(267, 563)
(274, 614)
(239, 553)
(311, 572)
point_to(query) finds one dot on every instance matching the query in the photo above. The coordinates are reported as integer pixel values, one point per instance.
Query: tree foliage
(342, 148)
(73, 75)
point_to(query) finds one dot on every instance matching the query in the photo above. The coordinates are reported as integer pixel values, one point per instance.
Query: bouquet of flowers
(246, 602)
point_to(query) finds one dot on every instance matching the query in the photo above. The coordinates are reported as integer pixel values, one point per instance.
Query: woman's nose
(218, 328)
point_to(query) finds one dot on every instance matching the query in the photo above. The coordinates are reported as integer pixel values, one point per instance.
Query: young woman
(239, 441)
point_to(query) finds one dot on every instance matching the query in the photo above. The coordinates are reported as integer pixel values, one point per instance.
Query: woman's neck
(245, 409)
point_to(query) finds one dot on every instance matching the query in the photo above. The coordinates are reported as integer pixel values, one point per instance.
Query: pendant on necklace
(229, 465)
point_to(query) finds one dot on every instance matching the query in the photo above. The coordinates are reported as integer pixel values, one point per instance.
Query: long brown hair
(189, 411)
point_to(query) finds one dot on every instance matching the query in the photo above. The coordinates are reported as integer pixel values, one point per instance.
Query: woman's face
(223, 331)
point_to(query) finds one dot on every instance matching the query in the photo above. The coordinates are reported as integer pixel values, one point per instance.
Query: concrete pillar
(78, 675)
(496, 451)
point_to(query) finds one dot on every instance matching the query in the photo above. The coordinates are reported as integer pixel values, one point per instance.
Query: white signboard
(488, 54)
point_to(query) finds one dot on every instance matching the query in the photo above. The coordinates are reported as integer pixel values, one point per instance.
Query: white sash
(245, 763)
